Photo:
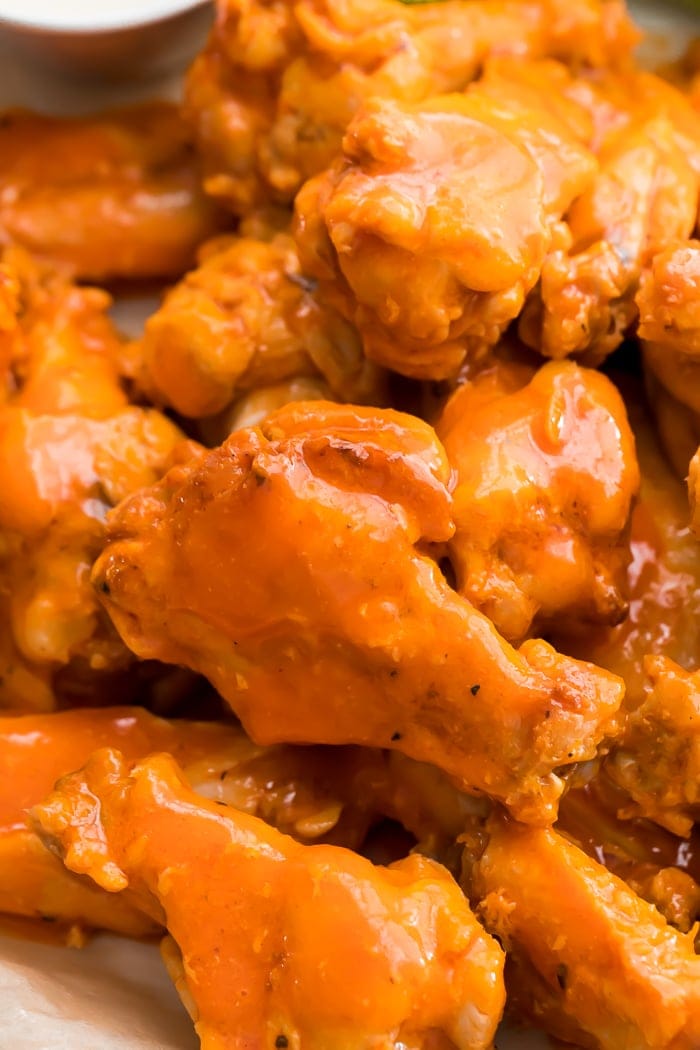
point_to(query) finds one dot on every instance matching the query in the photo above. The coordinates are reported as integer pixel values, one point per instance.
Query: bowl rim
(96, 21)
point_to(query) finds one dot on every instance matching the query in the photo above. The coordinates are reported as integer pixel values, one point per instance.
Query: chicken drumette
(292, 566)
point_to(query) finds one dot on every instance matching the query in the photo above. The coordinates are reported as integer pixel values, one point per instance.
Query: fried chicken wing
(71, 446)
(247, 320)
(272, 94)
(333, 795)
(658, 760)
(663, 575)
(290, 567)
(112, 196)
(434, 226)
(546, 474)
(272, 942)
(647, 139)
(589, 960)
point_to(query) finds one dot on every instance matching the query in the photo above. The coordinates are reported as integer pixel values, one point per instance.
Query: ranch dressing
(82, 15)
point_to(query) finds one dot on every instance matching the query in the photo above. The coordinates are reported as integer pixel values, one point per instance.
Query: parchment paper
(113, 994)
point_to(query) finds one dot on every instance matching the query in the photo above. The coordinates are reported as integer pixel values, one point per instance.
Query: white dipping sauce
(90, 14)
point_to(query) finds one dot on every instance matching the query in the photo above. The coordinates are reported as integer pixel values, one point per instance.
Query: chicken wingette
(116, 195)
(275, 943)
(292, 567)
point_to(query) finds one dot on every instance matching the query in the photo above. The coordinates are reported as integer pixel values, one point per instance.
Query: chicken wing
(272, 94)
(546, 474)
(433, 227)
(291, 566)
(314, 794)
(273, 943)
(247, 320)
(111, 196)
(71, 446)
(663, 576)
(658, 760)
(589, 961)
(647, 139)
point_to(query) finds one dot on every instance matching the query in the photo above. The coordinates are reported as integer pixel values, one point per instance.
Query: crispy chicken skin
(663, 575)
(71, 446)
(269, 938)
(658, 760)
(589, 960)
(647, 140)
(434, 225)
(246, 320)
(293, 564)
(270, 97)
(130, 174)
(546, 474)
(317, 794)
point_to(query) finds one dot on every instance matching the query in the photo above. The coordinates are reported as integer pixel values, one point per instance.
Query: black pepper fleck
(396, 736)
(562, 976)
(475, 689)
(281, 1042)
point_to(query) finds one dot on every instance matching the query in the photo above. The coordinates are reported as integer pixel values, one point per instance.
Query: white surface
(90, 14)
(115, 995)
(112, 995)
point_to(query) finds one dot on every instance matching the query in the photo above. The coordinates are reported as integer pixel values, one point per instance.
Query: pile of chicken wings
(362, 590)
